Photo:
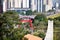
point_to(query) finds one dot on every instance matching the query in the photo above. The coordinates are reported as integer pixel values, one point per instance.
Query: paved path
(49, 34)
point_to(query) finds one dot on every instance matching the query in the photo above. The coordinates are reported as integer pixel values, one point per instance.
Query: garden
(10, 19)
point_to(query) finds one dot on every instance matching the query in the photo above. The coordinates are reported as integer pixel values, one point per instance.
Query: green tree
(29, 12)
(40, 17)
(39, 34)
(7, 21)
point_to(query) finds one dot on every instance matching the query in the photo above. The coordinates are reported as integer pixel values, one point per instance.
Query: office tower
(13, 3)
(21, 3)
(4, 5)
(17, 3)
(1, 6)
(33, 5)
(48, 4)
(30, 3)
(37, 5)
(25, 3)
(40, 5)
(59, 6)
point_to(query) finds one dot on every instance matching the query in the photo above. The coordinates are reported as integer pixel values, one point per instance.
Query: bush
(56, 36)
(29, 12)
(40, 17)
(39, 34)
(25, 38)
(56, 23)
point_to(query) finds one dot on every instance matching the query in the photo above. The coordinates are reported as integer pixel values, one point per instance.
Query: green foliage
(11, 18)
(50, 19)
(7, 21)
(40, 17)
(57, 28)
(29, 12)
(40, 21)
(57, 18)
(57, 21)
(39, 34)
(56, 36)
(36, 22)
(50, 10)
(19, 33)
(25, 38)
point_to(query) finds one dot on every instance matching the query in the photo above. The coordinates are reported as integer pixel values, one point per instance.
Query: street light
(57, 5)
(54, 10)
(24, 13)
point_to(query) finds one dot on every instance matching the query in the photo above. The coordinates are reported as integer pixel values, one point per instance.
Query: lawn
(54, 16)
(56, 33)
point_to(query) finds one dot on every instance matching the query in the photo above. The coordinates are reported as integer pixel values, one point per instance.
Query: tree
(7, 30)
(29, 12)
(7, 20)
(40, 17)
(39, 34)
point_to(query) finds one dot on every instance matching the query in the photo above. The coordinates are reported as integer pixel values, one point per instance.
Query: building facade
(1, 6)
(24, 5)
(48, 4)
(17, 5)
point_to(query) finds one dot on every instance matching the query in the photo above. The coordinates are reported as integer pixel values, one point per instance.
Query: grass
(54, 16)
(56, 33)
(57, 29)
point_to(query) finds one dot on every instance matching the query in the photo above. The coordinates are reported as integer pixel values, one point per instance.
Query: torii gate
(29, 21)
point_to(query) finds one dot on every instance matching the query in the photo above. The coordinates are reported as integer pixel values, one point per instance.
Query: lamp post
(24, 13)
(57, 5)
(54, 10)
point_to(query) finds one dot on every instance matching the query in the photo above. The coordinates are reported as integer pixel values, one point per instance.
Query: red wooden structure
(29, 21)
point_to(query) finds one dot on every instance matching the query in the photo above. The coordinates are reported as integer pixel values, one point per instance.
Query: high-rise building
(48, 4)
(1, 6)
(33, 5)
(25, 3)
(18, 5)
(37, 5)
(40, 5)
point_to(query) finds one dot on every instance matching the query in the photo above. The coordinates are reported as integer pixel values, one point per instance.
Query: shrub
(39, 34)
(29, 12)
(40, 17)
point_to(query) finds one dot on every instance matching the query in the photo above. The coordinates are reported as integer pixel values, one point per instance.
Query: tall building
(4, 5)
(38, 5)
(24, 5)
(1, 6)
(48, 5)
(17, 5)
(33, 5)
